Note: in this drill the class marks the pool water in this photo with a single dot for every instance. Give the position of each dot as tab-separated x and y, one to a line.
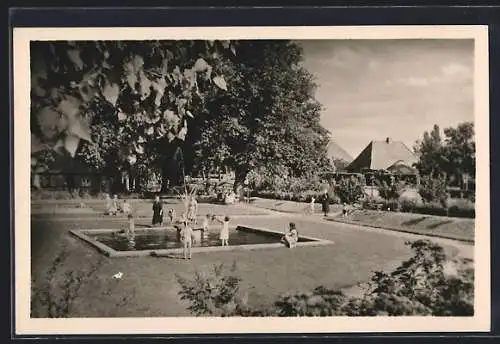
167	239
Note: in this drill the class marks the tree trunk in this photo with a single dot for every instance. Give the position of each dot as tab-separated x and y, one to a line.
239	179
165	179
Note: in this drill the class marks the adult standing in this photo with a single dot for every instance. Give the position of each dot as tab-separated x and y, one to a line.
325	202
157	211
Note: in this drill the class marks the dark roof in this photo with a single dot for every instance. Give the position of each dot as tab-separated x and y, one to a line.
381	155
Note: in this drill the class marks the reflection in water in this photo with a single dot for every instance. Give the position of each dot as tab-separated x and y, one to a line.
131	241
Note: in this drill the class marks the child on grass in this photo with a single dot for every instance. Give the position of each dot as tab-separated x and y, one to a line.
126	208
312	205
292	237
224	231
110	206
171	215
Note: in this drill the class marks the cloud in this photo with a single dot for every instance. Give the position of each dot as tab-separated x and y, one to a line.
450	73
373	64
416	81
457	71
374	89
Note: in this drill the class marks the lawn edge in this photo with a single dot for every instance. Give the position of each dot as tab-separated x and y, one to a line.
403	230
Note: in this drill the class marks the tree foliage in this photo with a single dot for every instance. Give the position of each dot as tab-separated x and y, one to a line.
430	153
118	103
113	104
350	190
391	190
269	119
433	189
452	157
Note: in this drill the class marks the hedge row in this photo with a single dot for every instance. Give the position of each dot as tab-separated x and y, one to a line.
290	196
461	209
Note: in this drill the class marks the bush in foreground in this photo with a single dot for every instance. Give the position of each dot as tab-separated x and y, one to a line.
55	294
426	284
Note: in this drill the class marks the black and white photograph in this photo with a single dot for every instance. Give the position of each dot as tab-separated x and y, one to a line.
227	173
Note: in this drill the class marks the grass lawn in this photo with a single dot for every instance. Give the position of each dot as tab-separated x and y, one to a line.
141	208
266	273
446	227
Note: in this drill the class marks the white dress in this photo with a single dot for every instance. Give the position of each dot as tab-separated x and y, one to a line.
206	228
187	235
224	232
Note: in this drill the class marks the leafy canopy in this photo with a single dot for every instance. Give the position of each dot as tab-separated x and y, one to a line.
116	102
268	119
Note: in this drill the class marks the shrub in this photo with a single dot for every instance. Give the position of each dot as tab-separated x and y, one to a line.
39	195
320	302
392	205
215	294
51	195
431	209
390	191
457	211
304	196
407	205
55	295
371	203
350	190
461	208
433	190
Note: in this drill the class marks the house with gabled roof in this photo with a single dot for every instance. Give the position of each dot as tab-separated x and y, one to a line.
388	155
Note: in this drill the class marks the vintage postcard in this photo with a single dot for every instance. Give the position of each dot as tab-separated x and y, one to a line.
202	180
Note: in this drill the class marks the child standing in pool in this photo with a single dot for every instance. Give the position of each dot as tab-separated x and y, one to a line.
131	225
206	226
187	240
192	209
224	231
116	204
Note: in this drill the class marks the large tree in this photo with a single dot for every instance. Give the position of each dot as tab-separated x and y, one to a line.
112	104
460	150
453	157
430	153
268	119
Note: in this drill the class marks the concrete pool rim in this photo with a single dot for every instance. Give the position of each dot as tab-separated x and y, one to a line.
84	234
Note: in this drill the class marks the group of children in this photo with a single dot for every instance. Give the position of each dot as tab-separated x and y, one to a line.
185	221
186	232
113	206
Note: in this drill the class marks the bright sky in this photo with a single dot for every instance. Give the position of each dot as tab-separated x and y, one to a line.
373	89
